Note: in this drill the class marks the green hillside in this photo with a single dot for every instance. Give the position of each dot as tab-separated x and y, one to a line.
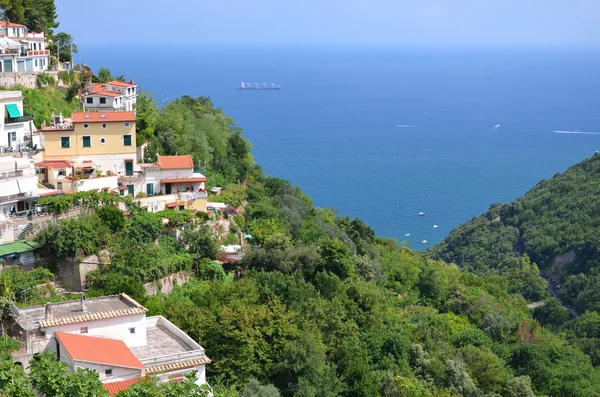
556	224
40	102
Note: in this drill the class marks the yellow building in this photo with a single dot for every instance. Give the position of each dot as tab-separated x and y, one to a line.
102	141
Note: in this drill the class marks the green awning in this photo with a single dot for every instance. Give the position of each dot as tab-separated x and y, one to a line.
18	247
13	110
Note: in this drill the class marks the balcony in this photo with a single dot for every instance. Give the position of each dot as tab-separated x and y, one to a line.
35	53
131	175
188	196
15	197
23	119
12	174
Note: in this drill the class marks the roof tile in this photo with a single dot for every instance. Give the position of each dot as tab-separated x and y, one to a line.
175	162
98	350
96	117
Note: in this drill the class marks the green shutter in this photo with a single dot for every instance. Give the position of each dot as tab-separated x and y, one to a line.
65	142
127	140
130	189
13	110
150	189
87	141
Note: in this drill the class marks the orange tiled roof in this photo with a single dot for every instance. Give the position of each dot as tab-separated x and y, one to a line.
174	162
100	89
11	25
92	349
96	117
53	164
175	366
113	388
120	83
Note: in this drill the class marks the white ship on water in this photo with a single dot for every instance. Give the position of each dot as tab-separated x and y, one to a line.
259	86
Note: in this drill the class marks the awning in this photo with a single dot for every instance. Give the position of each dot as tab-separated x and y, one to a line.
18	247
123	188
183	180
54	164
13	110
171	205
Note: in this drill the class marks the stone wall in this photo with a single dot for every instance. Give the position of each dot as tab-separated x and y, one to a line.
25	79
165	285
72	273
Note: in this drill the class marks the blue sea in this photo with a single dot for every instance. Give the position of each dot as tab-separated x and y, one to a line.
385	133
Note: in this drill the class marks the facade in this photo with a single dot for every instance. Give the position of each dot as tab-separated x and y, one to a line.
102	141
16	129
22	51
112	96
18	185
110	335
169	183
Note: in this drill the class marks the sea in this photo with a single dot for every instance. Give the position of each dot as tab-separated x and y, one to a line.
383	133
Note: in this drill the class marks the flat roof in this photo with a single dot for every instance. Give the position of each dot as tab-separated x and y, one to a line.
160	342
70	312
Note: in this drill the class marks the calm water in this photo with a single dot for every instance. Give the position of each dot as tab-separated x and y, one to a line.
384	133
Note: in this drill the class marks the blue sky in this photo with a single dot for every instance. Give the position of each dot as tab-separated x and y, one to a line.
339	22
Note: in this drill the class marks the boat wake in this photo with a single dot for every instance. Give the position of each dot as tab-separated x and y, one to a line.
407	126
577	132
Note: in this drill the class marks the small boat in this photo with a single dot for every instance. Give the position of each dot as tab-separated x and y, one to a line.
497	126
435	226
407	234
421	213
424	242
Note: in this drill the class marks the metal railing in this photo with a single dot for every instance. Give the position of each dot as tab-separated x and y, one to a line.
12	197
21	119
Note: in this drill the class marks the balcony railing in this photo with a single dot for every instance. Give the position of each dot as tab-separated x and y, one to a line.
11	174
37	53
131	174
13	197
187	196
23	119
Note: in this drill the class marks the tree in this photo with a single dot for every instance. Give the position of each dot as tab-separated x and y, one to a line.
146	114
104	75
201	243
63	42
113	217
254	389
519	387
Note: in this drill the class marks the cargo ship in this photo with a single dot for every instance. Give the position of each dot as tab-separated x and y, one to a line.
259	86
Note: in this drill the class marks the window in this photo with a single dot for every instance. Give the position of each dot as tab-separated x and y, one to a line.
150	189
83	330
130	189
102	100
36	63
59	185
86	126
89	100
126	140
103	140
181	207
87	141
65	142
43	334
62	173
126	125
122	192
104	125
108	372
132	330
12	136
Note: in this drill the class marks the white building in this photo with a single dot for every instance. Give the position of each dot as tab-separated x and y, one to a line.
110	335
16	128
22	51
111	96
18	185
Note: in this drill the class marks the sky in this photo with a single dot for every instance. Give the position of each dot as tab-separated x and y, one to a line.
333	22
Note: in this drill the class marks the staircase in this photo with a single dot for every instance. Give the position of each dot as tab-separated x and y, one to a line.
25	231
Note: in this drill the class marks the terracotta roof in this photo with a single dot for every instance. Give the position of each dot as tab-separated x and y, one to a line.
53	164
184	180
11	25
174	162
96	117
120	83
175	366
92	349
113	388
171	205
91	316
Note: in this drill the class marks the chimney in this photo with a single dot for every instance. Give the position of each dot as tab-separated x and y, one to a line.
131	81
82	302
49	315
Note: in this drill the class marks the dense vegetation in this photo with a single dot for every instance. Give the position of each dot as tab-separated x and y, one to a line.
558	216
42	102
326	308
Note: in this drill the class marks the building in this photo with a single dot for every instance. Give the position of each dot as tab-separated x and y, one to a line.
169	183
110	335
18	185
22	51
112	96
100	141
16	128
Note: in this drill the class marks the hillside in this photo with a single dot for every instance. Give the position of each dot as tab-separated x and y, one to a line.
40	102
556	224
